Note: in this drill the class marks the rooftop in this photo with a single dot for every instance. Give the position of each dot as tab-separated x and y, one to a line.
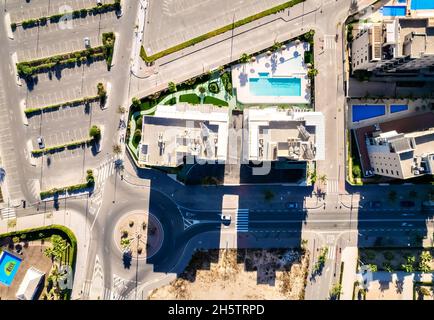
184	130
275	133
411	126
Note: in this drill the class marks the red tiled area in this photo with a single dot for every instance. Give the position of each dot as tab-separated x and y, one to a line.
405	125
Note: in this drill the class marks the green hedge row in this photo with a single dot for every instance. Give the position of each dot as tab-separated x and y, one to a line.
82	13
32	111
90	181
29	68
45	233
108	40
61	147
217	32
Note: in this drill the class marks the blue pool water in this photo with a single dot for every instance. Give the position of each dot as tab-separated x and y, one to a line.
422	4
394	11
367	111
9	265
398	107
275	86
402	1
263	74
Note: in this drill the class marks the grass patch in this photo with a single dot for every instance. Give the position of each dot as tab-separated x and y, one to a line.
215	101
170	102
191	98
217	32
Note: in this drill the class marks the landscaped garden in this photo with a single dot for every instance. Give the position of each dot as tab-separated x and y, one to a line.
52	250
408	260
213	88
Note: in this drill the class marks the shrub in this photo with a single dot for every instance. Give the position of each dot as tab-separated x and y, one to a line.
139	122
202	89
172	87
95	133
13	26
357	173
131	223
213	87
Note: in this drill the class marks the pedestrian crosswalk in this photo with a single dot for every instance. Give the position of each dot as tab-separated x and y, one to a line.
330	41
8	213
332	187
242	220
331	252
105	170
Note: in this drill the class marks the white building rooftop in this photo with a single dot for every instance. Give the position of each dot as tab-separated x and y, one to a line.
183	130
293	135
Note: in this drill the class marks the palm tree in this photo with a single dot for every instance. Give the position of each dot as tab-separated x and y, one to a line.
323	178
121	109
245	58
117	149
172	87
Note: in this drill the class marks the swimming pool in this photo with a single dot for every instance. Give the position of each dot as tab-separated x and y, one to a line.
367	111
394	11
398	107
422	4
276	87
9	265
402	1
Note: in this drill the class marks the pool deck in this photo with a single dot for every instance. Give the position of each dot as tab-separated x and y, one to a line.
283	63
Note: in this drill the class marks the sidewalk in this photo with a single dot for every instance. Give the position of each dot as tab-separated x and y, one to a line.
349	258
70	219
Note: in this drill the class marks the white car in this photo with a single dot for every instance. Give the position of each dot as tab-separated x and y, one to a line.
41	143
86	42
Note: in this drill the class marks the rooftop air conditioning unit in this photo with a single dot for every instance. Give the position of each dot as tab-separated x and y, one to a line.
416	172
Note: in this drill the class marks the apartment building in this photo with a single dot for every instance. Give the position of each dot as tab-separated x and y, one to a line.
401	155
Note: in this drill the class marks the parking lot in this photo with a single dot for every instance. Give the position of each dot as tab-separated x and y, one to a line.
51	126
171	22
67	124
73	84
30	9
57	38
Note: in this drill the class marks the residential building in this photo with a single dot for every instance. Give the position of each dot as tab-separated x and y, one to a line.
402	156
276	134
183	131
396	47
366	47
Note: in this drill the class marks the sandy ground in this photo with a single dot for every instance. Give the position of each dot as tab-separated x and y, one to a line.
244	274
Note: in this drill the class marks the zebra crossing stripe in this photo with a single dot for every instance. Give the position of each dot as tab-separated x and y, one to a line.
243	220
8	213
331	253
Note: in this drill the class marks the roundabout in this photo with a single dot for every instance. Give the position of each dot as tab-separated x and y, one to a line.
139	233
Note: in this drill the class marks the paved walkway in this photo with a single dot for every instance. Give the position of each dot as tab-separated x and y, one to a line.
349	258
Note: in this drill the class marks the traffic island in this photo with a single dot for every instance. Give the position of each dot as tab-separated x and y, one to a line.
138	235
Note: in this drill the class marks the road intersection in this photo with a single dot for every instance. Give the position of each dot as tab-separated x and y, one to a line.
191	215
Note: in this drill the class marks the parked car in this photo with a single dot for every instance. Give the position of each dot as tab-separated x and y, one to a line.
99	2
41	143
292	205
87	42
406	203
